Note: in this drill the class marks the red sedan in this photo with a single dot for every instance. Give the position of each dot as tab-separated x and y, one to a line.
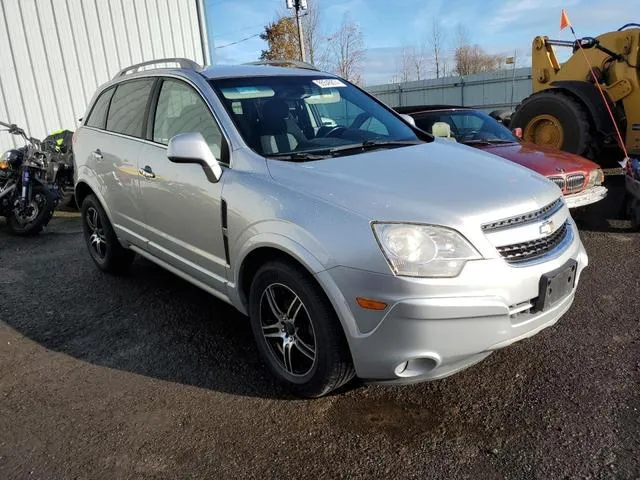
579	179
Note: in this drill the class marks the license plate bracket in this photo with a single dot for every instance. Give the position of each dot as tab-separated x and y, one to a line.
556	285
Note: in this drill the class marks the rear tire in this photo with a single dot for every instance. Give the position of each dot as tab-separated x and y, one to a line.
555	119
302	323
105	249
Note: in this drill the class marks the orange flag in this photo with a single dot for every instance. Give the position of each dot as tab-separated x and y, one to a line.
564	20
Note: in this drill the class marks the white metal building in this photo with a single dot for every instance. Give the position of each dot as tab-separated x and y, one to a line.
54	53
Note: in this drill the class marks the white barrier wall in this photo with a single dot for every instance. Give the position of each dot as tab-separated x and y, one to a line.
487	91
54	53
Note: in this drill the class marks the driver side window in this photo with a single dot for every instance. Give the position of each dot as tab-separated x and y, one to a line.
181	109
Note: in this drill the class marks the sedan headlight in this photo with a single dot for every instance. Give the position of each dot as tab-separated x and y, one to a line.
596	177
423	250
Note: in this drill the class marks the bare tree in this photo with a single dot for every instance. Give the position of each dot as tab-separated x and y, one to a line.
436	42
419	61
405	65
311	29
347	48
470	59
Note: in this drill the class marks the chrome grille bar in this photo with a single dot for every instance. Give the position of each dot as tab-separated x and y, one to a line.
544	212
526	251
575	183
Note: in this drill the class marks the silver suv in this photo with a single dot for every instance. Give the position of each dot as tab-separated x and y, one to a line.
356	243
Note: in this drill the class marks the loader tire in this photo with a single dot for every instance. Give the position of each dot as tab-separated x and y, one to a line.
555	119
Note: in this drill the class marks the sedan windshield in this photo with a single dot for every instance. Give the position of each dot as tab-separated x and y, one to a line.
466	126
306	118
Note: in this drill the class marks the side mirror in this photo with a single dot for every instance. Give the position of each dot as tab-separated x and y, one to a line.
192	148
409	119
517	132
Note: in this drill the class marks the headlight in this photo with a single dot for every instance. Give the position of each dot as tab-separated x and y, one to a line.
423	250
596	177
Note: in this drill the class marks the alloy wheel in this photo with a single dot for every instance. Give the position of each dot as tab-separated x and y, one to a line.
287	329
97	238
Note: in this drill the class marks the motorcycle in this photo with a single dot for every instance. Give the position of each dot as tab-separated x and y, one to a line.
28	187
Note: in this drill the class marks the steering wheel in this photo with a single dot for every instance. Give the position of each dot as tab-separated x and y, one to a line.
332	131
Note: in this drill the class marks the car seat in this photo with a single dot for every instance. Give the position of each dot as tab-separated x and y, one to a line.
278	132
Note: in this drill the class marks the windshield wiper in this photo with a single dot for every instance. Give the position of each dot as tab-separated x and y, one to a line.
372	144
303	156
487	142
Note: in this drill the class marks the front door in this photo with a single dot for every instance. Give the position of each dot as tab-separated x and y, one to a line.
182	208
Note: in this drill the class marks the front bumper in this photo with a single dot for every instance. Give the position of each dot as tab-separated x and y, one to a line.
433	328
586	197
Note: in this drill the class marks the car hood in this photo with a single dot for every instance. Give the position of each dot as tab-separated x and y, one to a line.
545	161
438	182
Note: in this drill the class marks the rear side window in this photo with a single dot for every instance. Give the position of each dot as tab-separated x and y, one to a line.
128	106
98	114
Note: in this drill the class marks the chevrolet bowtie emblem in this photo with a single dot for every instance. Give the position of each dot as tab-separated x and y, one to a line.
546	228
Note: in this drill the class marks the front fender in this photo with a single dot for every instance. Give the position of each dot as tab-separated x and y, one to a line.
309	260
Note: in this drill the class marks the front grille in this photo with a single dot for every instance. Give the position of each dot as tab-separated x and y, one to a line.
544	212
575	182
525	251
558	181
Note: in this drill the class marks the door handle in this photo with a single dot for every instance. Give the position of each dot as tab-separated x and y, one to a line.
97	154
146	172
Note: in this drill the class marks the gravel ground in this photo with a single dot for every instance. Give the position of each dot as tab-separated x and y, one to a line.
148	377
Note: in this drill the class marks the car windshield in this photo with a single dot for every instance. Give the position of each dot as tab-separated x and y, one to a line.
309	117
466	126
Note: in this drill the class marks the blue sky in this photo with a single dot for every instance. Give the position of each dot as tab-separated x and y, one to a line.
499	26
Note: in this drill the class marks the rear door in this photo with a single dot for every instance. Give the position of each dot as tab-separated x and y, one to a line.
182	208
112	143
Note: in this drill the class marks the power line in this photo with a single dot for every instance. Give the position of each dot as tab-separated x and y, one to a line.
238	41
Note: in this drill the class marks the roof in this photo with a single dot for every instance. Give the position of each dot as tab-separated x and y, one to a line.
224	71
429	108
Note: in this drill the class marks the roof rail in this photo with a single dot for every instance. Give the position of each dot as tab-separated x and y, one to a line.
285	63
183	62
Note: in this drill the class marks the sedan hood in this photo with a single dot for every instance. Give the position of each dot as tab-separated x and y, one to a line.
439	182
543	160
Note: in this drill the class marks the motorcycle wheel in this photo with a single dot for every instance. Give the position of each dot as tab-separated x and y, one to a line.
42	203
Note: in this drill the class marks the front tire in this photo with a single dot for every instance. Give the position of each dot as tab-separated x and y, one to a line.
102	242
40	213
297	332
555	119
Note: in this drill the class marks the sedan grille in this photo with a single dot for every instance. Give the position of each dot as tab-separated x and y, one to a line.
525	251
544	212
575	183
559	181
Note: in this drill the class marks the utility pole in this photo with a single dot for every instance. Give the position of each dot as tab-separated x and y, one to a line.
299	5
512	60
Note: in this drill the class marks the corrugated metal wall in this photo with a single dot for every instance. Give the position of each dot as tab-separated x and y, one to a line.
488	91
54	53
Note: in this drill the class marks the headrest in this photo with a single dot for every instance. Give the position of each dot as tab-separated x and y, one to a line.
274	110
442	130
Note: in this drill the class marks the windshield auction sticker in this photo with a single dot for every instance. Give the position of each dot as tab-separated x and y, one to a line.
328	83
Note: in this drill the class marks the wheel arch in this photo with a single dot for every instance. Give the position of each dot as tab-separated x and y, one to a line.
83	189
263	252
290	251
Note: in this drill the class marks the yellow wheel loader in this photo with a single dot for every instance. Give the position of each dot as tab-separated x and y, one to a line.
566	110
